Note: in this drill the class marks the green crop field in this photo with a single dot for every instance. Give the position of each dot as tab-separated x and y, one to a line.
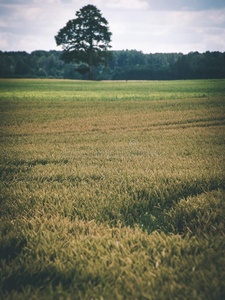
112	190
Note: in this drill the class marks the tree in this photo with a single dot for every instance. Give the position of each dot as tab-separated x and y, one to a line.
85	40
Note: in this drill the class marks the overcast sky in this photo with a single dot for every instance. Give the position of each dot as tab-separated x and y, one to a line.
147	25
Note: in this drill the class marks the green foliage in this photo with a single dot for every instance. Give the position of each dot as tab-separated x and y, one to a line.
112	190
122	65
85	40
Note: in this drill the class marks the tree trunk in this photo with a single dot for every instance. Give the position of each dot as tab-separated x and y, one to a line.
91	73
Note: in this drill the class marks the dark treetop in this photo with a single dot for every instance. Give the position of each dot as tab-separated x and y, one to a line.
85	40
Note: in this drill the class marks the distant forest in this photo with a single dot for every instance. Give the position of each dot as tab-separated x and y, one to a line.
124	65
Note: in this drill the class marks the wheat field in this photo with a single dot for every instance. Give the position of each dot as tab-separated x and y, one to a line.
112	190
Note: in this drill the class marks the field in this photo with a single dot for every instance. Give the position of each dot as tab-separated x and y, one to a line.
112	190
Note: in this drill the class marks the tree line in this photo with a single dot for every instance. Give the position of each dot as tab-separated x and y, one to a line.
122	65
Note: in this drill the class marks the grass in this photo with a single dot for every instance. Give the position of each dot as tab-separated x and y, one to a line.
112	190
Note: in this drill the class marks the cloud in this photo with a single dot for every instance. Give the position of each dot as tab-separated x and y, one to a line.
127	4
170	31
147	25
185	5
4	40
3	24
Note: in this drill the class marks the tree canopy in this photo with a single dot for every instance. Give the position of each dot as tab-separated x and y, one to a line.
124	65
85	40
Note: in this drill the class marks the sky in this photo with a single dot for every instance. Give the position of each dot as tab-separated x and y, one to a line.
150	26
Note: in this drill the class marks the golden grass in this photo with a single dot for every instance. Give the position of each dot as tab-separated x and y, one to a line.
112	190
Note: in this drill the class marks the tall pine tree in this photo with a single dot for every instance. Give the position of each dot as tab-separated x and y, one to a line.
85	40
